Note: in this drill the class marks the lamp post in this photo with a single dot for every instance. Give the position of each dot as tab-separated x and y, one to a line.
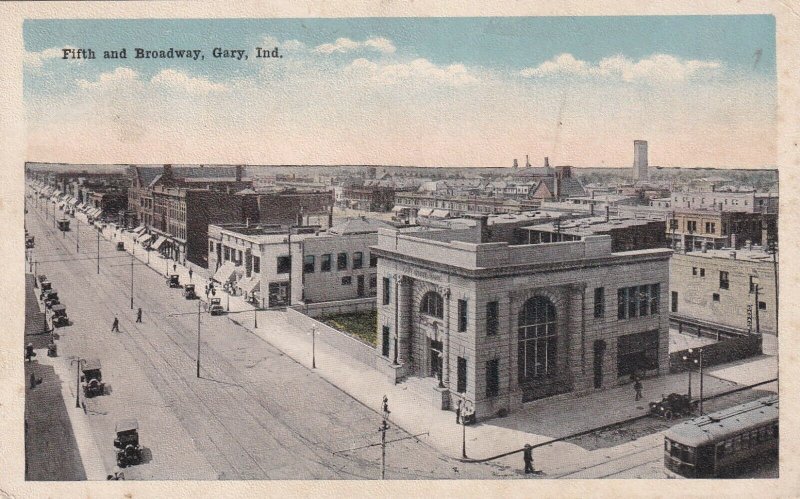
255	318
198	338
463	427
79	361
313	347
77	236
686	359
134	249
698	360
98	252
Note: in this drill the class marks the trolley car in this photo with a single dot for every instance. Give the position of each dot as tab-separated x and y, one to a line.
718	444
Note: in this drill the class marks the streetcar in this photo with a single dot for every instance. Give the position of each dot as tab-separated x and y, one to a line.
720	443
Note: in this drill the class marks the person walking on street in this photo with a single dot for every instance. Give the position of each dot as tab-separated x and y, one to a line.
139	315
115	325
174	267
190	274
527	456
637	386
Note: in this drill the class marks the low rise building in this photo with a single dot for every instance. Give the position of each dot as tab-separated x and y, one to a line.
499	324
626	234
734	289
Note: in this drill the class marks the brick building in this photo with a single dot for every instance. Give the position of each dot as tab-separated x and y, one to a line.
369	197
692	228
718	287
501	324
626	234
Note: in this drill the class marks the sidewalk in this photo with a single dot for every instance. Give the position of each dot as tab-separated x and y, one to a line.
411	404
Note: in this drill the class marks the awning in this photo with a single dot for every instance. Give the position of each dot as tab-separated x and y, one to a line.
425	212
249	285
440	213
143	238
138	229
158	243
225	272
73	201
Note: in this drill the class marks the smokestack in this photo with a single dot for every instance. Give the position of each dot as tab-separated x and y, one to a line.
527	162
546	162
608	214
238	173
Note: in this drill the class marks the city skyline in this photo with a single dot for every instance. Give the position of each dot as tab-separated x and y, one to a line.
424	92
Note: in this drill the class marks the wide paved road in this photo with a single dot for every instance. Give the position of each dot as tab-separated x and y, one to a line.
253	414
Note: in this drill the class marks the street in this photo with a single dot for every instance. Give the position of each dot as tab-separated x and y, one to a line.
254	413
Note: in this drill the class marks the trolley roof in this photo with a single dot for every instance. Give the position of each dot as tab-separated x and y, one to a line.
127	425
722	424
91	365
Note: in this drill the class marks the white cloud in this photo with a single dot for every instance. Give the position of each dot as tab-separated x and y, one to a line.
344	45
417	70
119	77
289	45
177	80
37	59
655	68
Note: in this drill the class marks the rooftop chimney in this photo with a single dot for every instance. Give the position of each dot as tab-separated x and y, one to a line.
527	162
546	162
516	164
239	173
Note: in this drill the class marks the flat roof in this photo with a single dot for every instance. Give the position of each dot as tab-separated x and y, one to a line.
593	225
757	254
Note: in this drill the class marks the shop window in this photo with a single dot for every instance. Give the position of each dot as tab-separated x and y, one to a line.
537	338
347	280
257	264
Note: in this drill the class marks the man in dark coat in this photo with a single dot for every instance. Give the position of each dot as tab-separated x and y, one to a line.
115	325
527	456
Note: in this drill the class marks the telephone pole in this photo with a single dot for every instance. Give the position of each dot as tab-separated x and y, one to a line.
98	252
384	426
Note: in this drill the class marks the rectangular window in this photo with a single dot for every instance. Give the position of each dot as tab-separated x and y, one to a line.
644	300
387	290
308	264
702	272
633	302
284	264
347	280
341	261
358	260
257	264
691	226
373	260
373	281
637	352
622	303
715	296
655	298
325	265
599	302
493	378
694	270
461	383
210	246
385	342
723	280
753	282
462	316
762	305
492	318
674	307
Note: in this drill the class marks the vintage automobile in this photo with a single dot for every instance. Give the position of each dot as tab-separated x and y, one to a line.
215	307
92	379
45	287
29	242
173	281
120	246
127	443
189	292
42	278
673	405
63	224
60	315
51	299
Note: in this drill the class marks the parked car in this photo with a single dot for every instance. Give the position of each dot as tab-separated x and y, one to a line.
127	443
51	298
673	405
215	307
45	288
92	379
60	315
173	281
189	292
120	246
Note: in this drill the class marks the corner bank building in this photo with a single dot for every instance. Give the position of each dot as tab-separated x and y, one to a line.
473	317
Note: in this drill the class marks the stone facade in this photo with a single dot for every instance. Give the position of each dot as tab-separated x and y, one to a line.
468	276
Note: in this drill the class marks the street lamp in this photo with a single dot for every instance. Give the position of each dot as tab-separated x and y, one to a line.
198	338
79	361
699	361
313	347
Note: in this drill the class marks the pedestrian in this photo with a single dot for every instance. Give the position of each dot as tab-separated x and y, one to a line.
115	325
33	381
174	267
139	315
458	412
637	386
190	273
527	456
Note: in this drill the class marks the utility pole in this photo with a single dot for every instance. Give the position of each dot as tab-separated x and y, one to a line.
79	361
384	426
463	428
255	318
98	252
313	347
77	236
198	338
773	248
758	322
700	350
131	280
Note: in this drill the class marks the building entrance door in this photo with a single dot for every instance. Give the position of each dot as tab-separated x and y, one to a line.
599	350
278	294
360	286
436	358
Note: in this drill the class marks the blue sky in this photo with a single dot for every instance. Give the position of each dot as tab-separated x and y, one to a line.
704	77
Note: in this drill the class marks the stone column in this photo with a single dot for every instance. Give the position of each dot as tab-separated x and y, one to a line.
446	363
404	318
576	336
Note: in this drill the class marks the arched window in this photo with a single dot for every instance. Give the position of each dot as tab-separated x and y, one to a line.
432	304
537	338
